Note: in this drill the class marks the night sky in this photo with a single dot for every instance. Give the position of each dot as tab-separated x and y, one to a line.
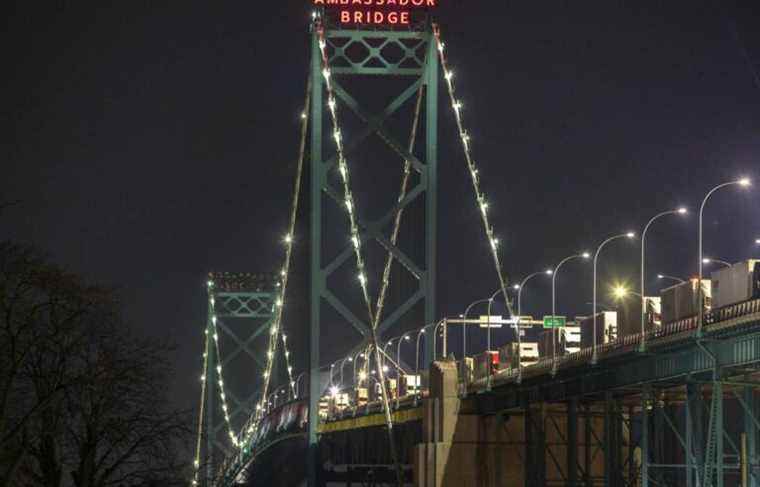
150	142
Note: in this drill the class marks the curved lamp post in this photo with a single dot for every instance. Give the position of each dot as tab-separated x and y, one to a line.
584	255
679	211
710	260
629	235
403	338
520	288
488	333
744	182
342	364
464	325
671	278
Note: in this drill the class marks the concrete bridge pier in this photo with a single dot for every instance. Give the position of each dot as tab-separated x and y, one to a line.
461	447
568	444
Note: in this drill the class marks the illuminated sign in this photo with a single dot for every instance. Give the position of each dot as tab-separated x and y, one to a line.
376	12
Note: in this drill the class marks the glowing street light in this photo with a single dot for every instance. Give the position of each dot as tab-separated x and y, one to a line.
709	260
743	182
520	288
671	278
629	235
464	325
583	255
619	292
679	211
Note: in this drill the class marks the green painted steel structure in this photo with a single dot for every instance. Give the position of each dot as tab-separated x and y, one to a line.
423	70
690	440
252	312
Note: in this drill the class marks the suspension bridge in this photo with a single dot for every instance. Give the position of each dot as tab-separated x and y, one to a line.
670	403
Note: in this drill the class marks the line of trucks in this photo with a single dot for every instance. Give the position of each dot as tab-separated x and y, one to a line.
727	286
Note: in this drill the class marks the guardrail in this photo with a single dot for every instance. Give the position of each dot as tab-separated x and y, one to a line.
291	419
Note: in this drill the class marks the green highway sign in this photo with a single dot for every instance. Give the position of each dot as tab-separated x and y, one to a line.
555	321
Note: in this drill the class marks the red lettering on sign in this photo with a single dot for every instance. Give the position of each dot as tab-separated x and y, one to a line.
377	12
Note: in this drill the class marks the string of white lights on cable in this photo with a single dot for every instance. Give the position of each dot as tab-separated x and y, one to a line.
279	305
219	373
201	410
354	227
276	334
482	201
344	172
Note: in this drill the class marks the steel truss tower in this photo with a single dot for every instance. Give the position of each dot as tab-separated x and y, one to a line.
419	63
240	311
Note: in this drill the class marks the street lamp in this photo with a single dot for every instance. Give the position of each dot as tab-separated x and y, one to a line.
584	255
629	235
385	355
464	325
342	364
757	241
679	211
744	182
356	357
405	338
621	292
417	348
520	288
671	278
710	260
488	340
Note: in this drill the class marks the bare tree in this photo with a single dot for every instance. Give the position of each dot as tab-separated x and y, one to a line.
122	428
83	401
42	312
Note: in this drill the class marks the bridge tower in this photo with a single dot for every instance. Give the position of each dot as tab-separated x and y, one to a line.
408	59
240	312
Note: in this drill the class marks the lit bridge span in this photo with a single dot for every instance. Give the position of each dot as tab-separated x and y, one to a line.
679	388
670	403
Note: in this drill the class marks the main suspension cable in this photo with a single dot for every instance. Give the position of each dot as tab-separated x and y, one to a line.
201	411
219	372
456	106
289	240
